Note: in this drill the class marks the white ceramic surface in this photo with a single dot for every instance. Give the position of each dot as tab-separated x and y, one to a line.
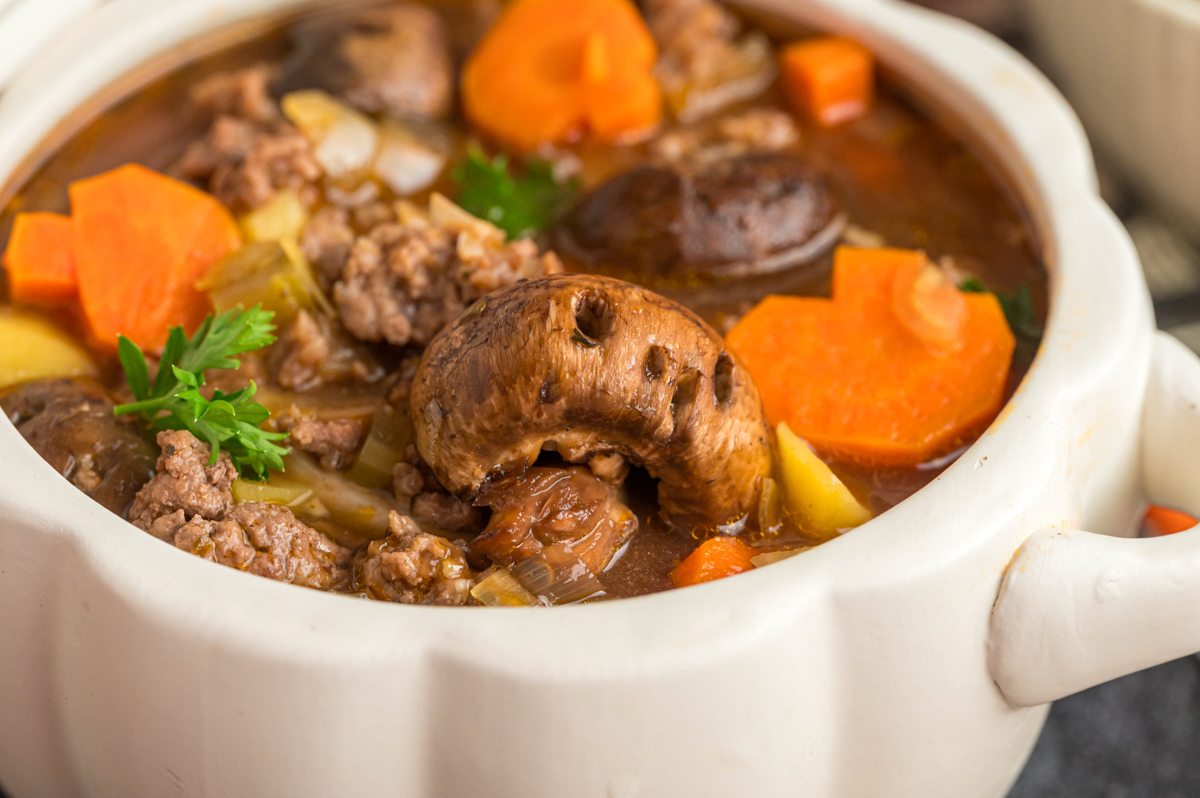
1132	70
860	669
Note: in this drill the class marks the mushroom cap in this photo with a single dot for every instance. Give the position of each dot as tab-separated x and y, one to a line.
590	366
751	214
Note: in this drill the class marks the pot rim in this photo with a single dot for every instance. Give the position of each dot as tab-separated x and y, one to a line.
1098	301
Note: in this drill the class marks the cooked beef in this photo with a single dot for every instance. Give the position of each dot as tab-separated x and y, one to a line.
703	66
326	243
602	367
444	512
406	280
544	506
72	426
393	60
185	482
745	215
264	540
756	130
413	567
333	440
190	505
314	351
250	152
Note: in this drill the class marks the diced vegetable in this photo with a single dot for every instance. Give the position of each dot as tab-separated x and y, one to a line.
279	490
390	435
556	70
740	71
1160	521
520	206
34	349
274	274
772	557
813	494
348	507
558	575
141	241
928	305
282	218
173	400
501	589
716	558
410	158
344	141
39	261
847	376
831	79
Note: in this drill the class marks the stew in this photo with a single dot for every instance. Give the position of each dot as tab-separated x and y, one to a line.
513	304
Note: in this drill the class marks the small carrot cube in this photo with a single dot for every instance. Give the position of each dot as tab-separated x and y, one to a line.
830	79
39	261
716	558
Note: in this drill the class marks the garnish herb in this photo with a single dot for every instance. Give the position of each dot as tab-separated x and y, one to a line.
173	400
1018	307
520	206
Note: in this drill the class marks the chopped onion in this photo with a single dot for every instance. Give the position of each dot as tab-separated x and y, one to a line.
283	217
770	507
739	71
274	274
767	558
558	575
344	140
501	589
347	506
390	435
410	159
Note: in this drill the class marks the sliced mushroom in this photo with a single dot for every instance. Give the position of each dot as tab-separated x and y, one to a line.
393	60
751	214
590	366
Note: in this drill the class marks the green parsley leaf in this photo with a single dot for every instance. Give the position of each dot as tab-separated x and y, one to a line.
520	206
227	421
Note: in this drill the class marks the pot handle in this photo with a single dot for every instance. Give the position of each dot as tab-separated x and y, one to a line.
1077	609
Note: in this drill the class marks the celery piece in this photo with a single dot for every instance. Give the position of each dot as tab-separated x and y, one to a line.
283	217
273	274
501	589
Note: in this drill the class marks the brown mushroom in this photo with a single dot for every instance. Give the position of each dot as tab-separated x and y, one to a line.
393	60
751	214
590	367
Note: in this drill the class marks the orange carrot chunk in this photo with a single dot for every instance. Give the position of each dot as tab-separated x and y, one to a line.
716	558
830	79
1160	521
40	267
850	375
142	240
557	70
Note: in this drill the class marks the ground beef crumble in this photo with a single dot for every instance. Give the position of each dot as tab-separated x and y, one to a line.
405	280
190	505
413	567
333	440
315	350
250	151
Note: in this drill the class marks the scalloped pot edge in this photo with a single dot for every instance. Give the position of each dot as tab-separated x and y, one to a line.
128	668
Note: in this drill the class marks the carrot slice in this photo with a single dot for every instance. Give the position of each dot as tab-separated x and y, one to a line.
830	79
1160	521
847	375
39	263
716	558
928	305
555	70
142	240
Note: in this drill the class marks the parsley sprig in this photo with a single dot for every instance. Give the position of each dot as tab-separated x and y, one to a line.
1018	307
519	205
173	401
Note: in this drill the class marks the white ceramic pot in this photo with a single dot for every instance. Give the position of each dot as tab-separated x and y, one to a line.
1132	69
868	667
